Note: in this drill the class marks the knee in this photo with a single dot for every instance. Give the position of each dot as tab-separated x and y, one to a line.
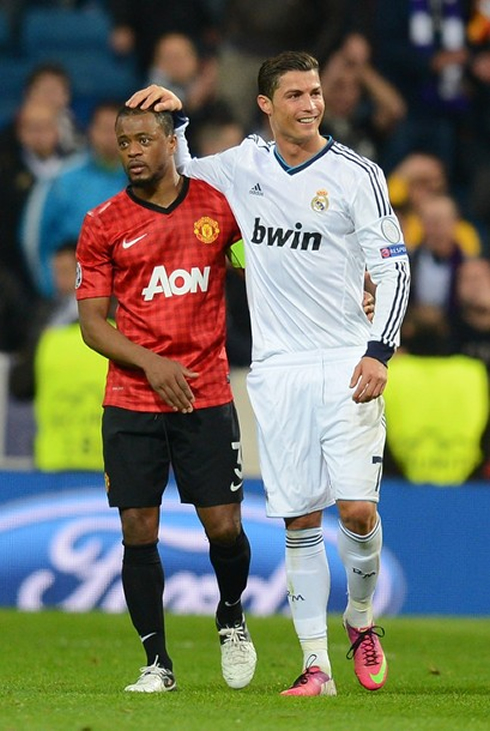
222	523
224	533
304	522
359	517
139	526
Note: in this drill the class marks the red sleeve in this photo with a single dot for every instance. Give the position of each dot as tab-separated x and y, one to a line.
94	261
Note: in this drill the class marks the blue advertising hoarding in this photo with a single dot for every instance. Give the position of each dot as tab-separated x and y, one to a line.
60	546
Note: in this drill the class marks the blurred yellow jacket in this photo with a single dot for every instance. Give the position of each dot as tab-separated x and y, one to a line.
436	413
70	380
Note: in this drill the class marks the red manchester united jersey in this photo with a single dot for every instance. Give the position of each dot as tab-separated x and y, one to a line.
166	269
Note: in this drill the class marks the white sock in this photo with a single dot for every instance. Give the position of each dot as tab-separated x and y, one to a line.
308	583
361	558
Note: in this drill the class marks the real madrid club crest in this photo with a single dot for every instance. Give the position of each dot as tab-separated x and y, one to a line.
320	202
206	230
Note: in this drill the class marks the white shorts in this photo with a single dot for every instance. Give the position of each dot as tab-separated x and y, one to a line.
316	446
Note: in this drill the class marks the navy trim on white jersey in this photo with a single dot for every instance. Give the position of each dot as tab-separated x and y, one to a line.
398	307
382	201
292	170
380	351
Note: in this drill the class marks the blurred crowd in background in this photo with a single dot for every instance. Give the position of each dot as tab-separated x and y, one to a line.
406	83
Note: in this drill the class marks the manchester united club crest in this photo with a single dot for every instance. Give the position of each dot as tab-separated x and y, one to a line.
320	202
206	230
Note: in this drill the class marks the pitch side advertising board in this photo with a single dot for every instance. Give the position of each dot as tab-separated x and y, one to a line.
60	547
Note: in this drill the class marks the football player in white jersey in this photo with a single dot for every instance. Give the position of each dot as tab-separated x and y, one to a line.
314	217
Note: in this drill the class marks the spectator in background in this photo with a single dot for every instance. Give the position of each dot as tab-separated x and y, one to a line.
54	212
470	328
50	83
477	147
31	155
178	65
361	107
425	331
139	25
419	176
421	48
435	263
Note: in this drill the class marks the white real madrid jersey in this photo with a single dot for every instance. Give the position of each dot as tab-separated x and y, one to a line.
310	233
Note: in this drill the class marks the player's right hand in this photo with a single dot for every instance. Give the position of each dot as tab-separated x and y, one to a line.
368	305
369	380
168	378
157	97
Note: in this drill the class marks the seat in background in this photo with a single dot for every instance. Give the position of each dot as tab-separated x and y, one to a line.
62	29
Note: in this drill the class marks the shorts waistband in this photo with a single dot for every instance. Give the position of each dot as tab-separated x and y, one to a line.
311	357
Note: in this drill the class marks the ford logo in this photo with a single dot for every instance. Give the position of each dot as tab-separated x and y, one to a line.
64	550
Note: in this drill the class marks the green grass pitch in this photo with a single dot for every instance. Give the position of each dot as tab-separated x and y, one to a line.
65	672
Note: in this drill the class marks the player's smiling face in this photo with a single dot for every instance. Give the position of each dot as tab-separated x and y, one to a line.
145	149
296	108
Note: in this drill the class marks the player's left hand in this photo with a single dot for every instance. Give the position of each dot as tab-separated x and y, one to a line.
368	305
369	380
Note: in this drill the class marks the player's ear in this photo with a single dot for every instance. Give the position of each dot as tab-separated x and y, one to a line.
264	103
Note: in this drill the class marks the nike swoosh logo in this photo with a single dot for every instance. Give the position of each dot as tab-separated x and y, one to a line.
132	242
147	637
380	675
234	487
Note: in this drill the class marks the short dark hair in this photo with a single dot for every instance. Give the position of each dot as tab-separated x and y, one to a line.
49	68
164	119
273	68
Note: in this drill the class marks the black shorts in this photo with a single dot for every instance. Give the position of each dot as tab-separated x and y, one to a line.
203	448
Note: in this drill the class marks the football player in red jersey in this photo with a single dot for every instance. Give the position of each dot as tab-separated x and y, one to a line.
159	248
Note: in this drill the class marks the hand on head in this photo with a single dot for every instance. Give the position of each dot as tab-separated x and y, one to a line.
156	97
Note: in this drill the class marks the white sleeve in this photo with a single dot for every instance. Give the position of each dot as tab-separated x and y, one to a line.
392	291
217	170
386	256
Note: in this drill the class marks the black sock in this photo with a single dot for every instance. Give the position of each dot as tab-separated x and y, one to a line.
143	584
231	565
